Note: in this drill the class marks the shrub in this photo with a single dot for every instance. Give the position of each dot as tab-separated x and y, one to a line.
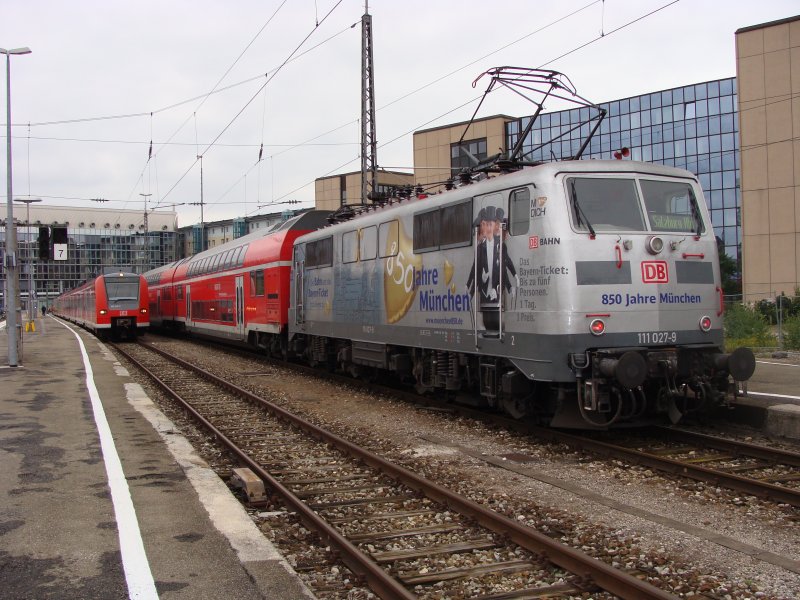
745	327
791	333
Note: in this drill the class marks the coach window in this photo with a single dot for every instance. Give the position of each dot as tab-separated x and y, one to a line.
240	256
350	247
227	259
367	243
521	211
215	263
257	283
388	238
456	225
426	231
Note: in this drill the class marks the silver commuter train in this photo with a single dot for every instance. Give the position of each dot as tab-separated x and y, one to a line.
580	293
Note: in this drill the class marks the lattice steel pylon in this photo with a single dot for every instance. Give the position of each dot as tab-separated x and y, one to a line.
369	143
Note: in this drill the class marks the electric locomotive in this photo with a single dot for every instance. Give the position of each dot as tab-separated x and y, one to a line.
112	305
581	293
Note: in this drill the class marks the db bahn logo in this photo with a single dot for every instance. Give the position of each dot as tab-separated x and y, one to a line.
655	271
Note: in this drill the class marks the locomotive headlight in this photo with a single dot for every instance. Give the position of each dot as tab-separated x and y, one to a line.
143	310
597	327
655	244
705	323
103	311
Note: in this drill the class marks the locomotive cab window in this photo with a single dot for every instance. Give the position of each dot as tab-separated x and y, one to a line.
672	206
605	204
388	238
520	208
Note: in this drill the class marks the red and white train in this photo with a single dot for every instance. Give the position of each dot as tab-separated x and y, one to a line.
238	291
113	305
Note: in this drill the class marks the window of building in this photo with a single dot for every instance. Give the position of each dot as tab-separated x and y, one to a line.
467	154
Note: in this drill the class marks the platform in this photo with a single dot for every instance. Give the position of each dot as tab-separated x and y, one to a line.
101	498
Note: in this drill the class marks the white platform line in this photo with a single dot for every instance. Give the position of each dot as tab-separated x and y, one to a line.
134	559
766	362
765	395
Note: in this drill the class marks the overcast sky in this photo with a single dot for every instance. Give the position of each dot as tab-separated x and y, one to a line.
106	77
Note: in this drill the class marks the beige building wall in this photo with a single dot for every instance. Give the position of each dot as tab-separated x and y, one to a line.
328	190
432	147
768	73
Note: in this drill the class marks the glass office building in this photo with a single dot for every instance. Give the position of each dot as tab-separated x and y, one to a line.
97	240
693	127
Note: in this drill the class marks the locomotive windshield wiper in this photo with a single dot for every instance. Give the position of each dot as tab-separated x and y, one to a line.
698	220
579	211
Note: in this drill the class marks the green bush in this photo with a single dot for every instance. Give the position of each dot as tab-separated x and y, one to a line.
791	333
745	327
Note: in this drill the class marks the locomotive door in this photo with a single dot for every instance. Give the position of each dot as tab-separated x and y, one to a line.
299	285
489	276
239	323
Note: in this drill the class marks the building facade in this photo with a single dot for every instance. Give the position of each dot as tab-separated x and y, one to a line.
768	71
335	191
97	240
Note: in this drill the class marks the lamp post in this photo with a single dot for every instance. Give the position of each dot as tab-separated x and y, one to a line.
31	264
11	231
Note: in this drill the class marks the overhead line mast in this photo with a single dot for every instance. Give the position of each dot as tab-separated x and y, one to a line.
369	142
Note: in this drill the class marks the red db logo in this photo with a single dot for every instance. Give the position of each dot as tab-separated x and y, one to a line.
655	271
533	242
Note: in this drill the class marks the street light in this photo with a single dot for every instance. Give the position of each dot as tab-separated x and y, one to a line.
31	265
11	231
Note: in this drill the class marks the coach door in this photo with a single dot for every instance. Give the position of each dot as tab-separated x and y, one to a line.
188	304
240	305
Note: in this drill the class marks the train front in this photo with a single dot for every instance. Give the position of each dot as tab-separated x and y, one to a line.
646	310
127	304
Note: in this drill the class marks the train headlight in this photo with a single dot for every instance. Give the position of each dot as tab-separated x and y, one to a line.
143	311
705	323
597	327
655	244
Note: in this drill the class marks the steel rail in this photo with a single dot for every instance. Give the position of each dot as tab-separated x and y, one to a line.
730	480
785	457
378	580
601	574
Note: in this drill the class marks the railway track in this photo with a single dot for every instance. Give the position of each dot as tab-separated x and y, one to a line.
757	470
404	536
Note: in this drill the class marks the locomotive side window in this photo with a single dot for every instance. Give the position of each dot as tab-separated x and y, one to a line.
671	206
388	238
520	208
257	283
319	253
603	204
350	246
367	243
456	225
426	231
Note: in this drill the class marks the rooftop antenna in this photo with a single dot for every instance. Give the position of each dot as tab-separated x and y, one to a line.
369	143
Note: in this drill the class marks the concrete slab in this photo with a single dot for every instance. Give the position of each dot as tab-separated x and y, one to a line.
783	420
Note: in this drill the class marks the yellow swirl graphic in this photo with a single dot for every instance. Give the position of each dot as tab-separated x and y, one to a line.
398	275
